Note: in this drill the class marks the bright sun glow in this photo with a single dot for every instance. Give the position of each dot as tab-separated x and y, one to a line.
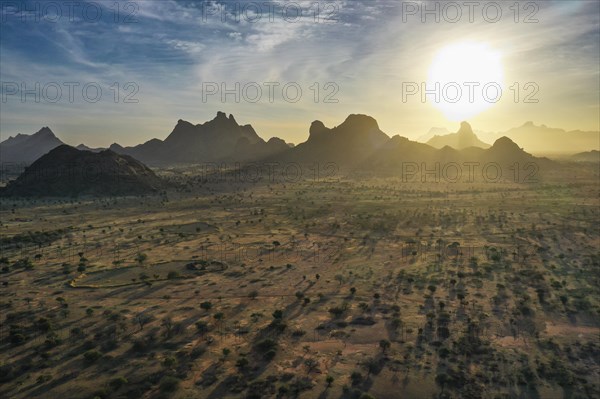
467	78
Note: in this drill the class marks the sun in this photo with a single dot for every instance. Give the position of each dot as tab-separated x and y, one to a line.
465	79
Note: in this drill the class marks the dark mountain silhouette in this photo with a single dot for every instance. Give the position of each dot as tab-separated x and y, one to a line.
357	142
68	172
462	139
349	143
589	156
220	139
401	154
397	151
506	150
223	139
24	148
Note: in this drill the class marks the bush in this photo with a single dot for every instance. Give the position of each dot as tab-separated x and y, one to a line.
266	345
201	326
270	354
356	378
329	380
43	324
52	340
92	356
198	351
23	263
17	338
169	362
241	363
337	311
169	384
298	332
278	314
117	383
44	378
139	345
7	373
102	393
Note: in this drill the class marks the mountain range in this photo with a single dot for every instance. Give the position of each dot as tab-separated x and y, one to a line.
221	139
355	141
536	139
356	145
544	140
402	154
25	148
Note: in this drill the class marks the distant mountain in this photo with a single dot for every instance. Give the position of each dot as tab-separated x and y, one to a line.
434	131
401	155
546	140
464	138
221	139
349	143
83	147
68	172
25	148
357	141
589	156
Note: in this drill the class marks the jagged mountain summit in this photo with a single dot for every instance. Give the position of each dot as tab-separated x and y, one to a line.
463	138
220	139
68	172
349	143
24	148
358	140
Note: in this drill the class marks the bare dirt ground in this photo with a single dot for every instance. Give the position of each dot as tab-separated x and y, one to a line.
316	289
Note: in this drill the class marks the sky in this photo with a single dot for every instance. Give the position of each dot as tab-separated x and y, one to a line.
126	71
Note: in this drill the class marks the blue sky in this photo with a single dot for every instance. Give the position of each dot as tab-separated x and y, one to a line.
170	50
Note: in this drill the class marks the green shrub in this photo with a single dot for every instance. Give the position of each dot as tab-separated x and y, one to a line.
169	384
270	355
356	378
266	345
117	383
91	356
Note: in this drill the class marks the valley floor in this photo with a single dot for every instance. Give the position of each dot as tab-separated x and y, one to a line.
315	289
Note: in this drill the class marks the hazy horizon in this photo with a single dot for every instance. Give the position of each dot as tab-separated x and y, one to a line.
416	136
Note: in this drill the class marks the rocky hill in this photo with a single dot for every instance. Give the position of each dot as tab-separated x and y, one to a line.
68	172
